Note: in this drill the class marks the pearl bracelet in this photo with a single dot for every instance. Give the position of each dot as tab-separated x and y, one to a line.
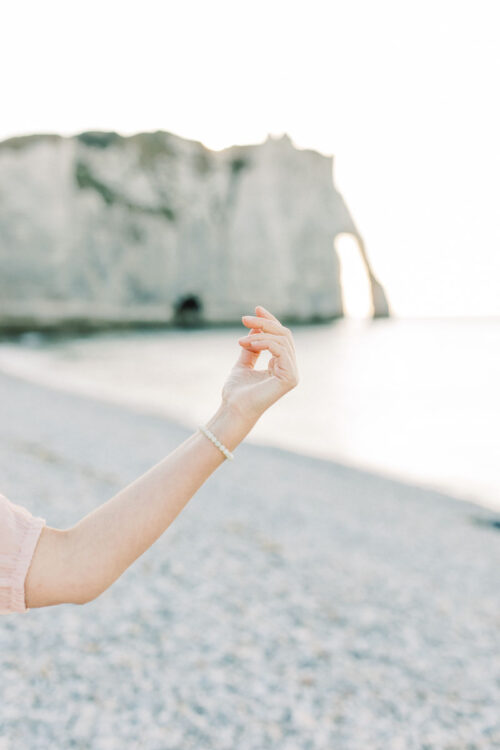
211	436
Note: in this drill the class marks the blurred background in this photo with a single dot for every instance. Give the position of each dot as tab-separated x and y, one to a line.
404	100
167	166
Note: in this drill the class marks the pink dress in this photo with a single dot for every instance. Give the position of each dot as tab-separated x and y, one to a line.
19	534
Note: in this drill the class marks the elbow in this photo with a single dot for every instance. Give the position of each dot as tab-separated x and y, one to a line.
84	597
60	572
83	591
81	584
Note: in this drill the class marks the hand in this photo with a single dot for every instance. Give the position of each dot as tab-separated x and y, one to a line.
253	391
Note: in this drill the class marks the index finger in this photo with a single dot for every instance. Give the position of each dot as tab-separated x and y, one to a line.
259	323
265	313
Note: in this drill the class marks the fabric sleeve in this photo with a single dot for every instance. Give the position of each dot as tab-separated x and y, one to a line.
19	534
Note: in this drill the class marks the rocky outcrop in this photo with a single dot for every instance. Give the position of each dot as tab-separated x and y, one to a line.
101	229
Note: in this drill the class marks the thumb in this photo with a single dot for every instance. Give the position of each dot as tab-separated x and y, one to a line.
248	358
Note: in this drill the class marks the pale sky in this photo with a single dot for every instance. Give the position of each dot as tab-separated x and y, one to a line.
404	94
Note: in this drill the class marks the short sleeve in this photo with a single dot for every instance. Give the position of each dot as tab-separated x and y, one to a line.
19	534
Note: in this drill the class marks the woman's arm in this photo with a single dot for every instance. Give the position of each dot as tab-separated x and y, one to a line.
76	565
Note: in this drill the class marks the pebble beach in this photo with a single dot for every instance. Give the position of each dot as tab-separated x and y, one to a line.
295	604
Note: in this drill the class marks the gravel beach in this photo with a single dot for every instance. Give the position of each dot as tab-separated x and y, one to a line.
295	604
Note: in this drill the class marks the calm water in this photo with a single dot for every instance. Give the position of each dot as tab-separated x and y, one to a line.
415	399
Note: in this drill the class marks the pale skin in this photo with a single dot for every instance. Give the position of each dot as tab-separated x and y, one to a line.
78	564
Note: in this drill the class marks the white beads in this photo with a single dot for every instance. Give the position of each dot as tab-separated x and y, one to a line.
215	441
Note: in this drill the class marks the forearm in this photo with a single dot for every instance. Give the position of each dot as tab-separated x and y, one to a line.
78	564
103	544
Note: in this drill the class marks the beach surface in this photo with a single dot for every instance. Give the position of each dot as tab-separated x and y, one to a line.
295	604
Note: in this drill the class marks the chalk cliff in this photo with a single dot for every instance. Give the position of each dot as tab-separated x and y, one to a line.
100	229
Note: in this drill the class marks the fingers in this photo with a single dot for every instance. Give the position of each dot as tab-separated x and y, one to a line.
265	313
263	324
247	357
280	339
283	365
284	338
274	345
269	325
261	315
266	332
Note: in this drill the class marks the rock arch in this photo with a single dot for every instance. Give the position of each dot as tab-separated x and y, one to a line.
377	297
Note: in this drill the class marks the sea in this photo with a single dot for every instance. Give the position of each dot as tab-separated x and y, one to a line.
414	399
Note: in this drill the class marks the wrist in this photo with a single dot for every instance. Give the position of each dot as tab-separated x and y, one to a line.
229	425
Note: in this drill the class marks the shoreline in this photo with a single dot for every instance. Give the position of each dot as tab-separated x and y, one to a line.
138	410
57	366
482	509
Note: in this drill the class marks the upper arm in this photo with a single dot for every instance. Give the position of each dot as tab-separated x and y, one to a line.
47	581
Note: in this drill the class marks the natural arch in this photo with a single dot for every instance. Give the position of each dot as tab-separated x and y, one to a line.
188	310
362	294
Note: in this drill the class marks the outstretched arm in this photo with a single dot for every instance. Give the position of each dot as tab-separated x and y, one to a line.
76	565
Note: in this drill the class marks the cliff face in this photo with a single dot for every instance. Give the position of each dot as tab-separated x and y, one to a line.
153	227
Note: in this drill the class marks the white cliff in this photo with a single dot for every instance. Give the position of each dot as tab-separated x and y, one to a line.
100	228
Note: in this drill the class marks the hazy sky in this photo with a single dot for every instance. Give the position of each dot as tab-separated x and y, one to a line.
404	94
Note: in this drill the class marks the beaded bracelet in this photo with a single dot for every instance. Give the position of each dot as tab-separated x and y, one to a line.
211	436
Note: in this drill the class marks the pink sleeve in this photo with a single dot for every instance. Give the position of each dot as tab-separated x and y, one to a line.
19	534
